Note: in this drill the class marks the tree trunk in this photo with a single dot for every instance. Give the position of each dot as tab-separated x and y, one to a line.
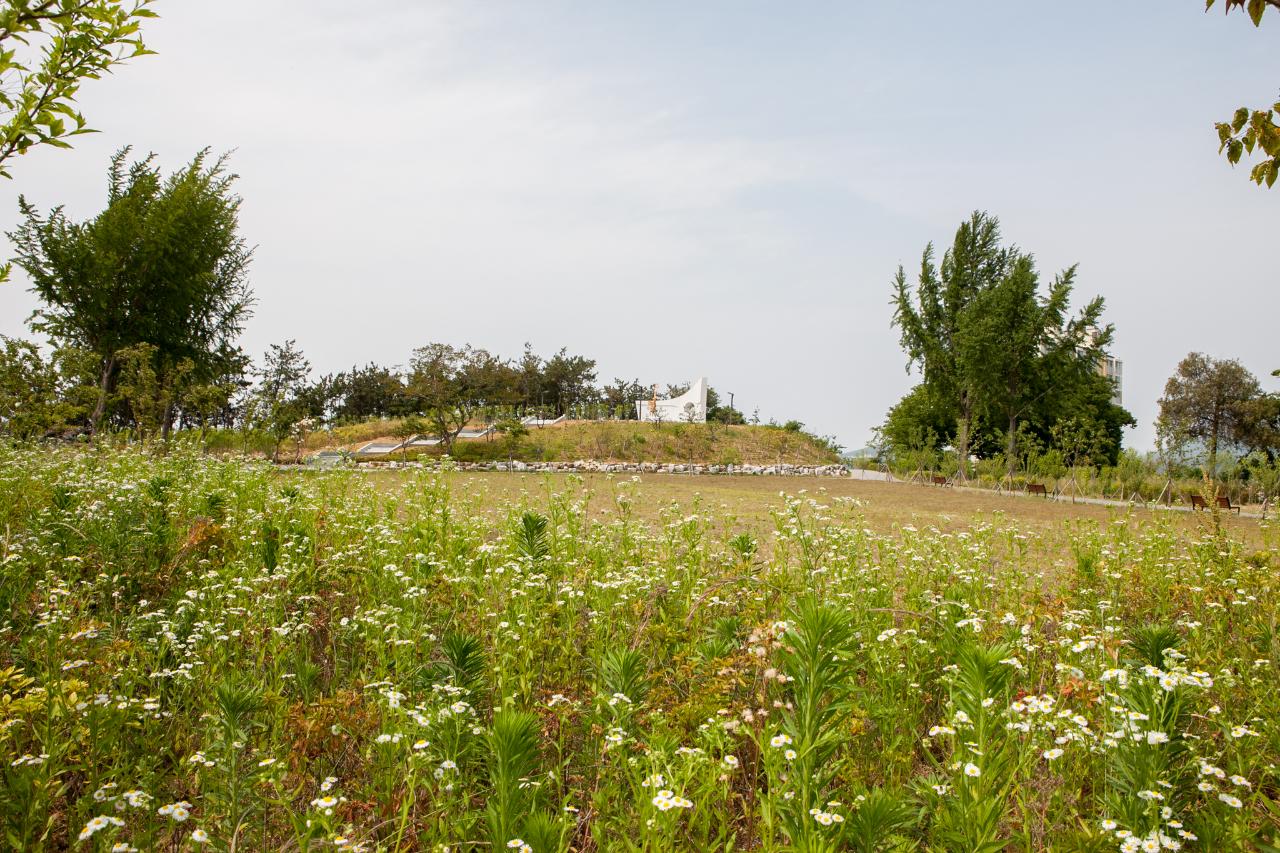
1011	447
100	408
167	426
963	426
1213	446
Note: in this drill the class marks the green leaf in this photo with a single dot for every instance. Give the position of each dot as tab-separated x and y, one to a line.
1239	119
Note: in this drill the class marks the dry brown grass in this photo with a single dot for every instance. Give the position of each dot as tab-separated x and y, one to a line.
610	441
746	501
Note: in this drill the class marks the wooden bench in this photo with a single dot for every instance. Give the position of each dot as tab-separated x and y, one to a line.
1198	502
1224	502
939	481
1037	489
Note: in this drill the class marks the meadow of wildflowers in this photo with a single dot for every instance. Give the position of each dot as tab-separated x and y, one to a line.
198	654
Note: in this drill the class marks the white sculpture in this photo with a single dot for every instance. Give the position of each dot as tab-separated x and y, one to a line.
689	407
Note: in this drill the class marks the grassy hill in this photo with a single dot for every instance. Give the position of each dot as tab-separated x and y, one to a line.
615	441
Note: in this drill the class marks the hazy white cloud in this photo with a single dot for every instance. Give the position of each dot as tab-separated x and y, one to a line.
724	190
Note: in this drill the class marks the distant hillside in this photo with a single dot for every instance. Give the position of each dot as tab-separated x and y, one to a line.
613	441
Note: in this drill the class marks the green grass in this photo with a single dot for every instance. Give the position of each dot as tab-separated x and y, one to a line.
614	441
331	660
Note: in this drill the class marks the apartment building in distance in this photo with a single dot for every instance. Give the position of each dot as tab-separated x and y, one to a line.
1113	369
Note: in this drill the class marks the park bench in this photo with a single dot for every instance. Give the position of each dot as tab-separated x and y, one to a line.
1037	489
1198	502
1224	502
940	481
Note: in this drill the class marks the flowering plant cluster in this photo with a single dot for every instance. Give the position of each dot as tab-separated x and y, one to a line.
208	653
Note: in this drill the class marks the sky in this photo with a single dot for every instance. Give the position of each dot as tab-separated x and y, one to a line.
721	189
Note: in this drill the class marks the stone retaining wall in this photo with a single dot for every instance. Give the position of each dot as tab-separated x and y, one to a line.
590	466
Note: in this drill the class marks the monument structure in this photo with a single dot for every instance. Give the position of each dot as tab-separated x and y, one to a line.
689	407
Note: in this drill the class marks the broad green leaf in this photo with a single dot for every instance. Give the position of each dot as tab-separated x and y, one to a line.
1239	120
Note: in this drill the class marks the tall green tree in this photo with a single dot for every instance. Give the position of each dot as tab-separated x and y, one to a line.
278	403
1084	401
31	399
367	392
529	382
163	264
568	380
451	384
1018	347
148	395
1209	401
1002	363
935	316
619	397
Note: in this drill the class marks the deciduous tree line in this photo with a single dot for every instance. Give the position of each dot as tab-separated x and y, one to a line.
144	304
446	387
